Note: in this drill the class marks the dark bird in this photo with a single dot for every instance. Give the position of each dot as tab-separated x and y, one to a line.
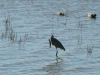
92	16
56	43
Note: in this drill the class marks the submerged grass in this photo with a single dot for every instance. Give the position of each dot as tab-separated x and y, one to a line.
89	49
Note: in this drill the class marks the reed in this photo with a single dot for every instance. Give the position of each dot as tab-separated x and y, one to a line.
25	37
89	49
10	34
79	36
80	30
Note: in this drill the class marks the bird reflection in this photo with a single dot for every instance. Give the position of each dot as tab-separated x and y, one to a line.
54	68
58	59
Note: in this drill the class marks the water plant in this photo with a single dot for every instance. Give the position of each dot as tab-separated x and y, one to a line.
10	34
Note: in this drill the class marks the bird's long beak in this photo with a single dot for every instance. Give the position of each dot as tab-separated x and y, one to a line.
50	43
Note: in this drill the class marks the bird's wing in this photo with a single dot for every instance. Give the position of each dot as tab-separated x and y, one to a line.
50	43
58	44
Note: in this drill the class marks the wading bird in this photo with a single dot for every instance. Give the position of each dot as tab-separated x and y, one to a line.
56	43
92	15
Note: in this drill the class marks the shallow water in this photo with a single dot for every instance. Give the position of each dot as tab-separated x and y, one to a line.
32	22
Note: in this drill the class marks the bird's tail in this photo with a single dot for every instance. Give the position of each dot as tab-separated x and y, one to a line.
63	48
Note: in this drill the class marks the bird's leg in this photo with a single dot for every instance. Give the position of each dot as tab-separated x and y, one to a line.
56	52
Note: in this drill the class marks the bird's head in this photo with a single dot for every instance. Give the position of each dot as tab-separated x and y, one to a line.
52	36
94	14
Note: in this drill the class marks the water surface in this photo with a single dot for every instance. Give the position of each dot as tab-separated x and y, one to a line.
27	25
